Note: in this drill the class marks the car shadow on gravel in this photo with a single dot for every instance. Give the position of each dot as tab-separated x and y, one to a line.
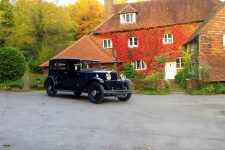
84	97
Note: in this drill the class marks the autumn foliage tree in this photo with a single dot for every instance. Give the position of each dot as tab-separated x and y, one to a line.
88	14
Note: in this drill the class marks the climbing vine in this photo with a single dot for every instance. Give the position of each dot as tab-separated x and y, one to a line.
150	44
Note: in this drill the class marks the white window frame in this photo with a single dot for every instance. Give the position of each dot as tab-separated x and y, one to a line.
181	61
224	40
127	18
143	65
108	45
132	43
167	39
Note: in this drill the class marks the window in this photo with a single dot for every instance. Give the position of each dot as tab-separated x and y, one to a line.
168	39
128	18
224	40
132	42
58	65
140	65
180	63
107	43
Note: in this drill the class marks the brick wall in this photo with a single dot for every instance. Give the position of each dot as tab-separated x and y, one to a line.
212	51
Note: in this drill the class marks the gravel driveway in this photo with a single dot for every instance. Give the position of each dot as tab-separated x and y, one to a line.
34	121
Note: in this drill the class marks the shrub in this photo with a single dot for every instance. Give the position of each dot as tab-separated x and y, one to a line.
12	64
154	76
7	85
181	77
128	71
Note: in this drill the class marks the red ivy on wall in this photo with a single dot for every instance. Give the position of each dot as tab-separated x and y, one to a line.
150	44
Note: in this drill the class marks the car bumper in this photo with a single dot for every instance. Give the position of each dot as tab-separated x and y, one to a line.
117	92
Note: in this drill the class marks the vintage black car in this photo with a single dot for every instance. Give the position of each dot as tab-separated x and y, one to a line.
78	76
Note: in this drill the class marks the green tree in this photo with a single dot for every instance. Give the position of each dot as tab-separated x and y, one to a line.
41	24
6	21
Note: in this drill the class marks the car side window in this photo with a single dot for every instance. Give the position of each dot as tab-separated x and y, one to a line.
61	66
58	65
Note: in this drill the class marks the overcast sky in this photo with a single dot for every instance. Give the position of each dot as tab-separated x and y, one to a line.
66	2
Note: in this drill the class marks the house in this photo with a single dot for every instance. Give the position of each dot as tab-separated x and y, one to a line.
208	44
138	32
86	48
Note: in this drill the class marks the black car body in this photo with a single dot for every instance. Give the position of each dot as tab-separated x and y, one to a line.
75	75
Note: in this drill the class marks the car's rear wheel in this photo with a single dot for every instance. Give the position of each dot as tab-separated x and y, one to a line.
96	93
127	96
50	88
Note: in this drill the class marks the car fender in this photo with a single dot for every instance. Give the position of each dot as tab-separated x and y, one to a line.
97	79
51	78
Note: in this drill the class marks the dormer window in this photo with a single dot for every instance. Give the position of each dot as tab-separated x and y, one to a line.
107	44
168	39
132	42
128	18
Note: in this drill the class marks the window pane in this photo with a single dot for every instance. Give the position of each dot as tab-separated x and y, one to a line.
138	64
105	43
131	41
131	17
169	35
127	18
135	41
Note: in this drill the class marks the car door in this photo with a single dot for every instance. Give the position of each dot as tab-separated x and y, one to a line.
62	74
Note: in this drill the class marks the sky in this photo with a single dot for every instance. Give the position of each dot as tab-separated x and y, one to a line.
66	2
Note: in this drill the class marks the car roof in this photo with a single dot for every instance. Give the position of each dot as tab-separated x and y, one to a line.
82	60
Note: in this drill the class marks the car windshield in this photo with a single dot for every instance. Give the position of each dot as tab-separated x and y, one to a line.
89	65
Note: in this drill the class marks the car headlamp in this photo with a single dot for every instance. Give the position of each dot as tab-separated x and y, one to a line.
108	76
122	77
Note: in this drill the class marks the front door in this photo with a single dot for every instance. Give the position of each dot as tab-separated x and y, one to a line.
170	70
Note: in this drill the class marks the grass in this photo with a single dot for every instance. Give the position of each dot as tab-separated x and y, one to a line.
209	89
33	81
10	85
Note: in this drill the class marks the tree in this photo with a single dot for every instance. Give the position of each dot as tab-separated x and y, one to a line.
120	1
88	14
6	21
41	24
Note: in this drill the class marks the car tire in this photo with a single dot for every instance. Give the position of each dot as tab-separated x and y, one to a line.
96	93
77	94
125	97
50	88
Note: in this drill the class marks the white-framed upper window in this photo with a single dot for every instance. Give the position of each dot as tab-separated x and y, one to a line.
224	40
140	65
107	43
168	38
132	42
127	18
179	63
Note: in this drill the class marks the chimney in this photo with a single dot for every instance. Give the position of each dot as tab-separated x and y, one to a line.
108	7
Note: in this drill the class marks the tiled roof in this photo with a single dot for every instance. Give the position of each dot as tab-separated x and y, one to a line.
210	17
159	13
127	9
85	48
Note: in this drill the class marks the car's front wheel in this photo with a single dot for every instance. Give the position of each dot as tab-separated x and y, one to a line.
50	88
96	93
127	96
